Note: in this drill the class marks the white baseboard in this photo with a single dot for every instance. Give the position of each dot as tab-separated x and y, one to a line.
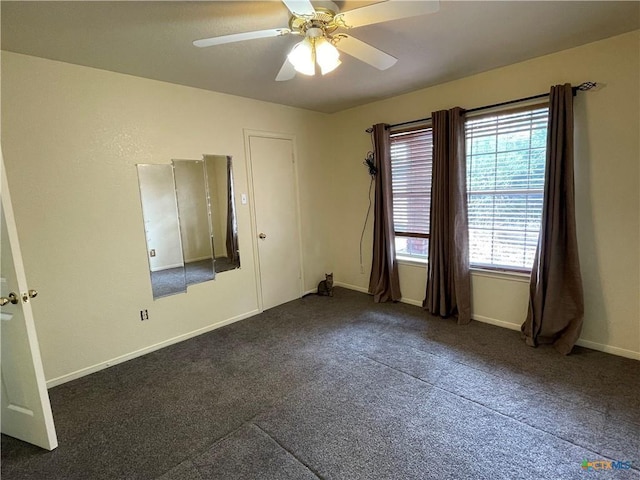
365	290
143	351
496	322
351	287
621	352
198	259
411	301
515	326
601	347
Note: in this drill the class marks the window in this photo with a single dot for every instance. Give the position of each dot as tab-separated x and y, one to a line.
505	186
411	159
505	182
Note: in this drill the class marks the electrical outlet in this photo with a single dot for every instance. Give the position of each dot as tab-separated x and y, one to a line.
144	315
152	252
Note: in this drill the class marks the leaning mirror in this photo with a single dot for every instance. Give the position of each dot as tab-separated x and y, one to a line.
190	221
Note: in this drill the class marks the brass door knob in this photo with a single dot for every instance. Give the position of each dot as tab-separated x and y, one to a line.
262	236
11	298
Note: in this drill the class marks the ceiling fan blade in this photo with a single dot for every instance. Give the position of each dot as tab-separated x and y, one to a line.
300	7
365	52
387	11
287	72
241	37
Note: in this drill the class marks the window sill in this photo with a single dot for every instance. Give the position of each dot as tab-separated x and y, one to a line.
475	271
412	262
501	274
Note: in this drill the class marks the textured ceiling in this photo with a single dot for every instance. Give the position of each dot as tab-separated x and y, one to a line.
154	40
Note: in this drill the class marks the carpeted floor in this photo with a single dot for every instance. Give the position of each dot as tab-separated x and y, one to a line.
341	388
175	280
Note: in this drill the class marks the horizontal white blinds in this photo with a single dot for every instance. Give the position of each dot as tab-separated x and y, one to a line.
505	182
411	160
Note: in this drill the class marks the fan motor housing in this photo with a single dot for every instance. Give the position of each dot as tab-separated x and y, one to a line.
323	18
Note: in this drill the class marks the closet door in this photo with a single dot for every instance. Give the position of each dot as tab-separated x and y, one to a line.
276	218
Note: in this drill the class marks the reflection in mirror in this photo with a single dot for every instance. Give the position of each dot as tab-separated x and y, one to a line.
222	212
190	221
161	226
195	227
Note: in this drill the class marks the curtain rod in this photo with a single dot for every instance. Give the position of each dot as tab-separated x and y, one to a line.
582	87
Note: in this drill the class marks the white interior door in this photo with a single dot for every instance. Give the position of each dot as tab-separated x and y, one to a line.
277	224
26	411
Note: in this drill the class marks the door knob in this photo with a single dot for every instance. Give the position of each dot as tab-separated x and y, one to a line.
28	295
262	236
12	298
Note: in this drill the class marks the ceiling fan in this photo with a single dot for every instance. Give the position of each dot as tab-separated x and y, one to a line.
322	29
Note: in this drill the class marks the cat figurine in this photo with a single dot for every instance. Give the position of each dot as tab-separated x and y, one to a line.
325	287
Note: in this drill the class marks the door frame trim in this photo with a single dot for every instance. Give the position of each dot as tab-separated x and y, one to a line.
248	133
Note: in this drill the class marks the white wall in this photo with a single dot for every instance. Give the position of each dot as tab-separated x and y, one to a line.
71	138
607	159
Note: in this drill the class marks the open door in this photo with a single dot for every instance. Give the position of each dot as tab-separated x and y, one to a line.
26	411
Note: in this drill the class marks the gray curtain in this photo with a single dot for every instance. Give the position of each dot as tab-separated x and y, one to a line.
556	304
232	229
384	283
448	278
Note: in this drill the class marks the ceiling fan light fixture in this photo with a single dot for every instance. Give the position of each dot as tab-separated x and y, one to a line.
321	28
327	55
302	57
312	49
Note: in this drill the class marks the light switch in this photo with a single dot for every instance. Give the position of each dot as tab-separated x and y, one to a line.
243	198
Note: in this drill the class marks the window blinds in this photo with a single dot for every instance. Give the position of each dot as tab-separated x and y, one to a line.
411	160
505	184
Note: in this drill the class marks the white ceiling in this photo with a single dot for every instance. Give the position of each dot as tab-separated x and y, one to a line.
154	40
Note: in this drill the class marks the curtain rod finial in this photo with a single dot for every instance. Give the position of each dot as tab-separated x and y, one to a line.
584	86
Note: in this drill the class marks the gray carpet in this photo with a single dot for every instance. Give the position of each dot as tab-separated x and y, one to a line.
168	282
224	264
341	388
175	280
